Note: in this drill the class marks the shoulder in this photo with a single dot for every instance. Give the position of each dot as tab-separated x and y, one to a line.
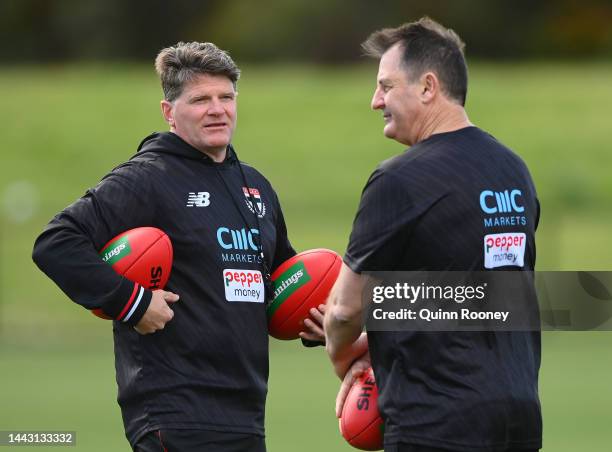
138	173
255	176
488	150
132	167
423	171
415	158
404	169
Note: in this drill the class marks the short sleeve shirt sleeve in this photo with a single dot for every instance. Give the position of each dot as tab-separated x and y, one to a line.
376	240
383	224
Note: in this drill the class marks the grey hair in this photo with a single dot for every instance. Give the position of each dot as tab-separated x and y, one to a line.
179	64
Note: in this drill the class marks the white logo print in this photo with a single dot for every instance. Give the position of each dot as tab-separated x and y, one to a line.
199	199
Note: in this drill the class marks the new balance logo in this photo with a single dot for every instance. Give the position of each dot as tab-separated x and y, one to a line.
199	199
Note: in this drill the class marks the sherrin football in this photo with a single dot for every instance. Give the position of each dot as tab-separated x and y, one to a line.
300	283
360	423
143	255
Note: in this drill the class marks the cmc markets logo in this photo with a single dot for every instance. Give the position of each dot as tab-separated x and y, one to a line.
503	208
237	239
507	201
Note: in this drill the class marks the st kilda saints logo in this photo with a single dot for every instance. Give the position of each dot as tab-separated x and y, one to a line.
254	202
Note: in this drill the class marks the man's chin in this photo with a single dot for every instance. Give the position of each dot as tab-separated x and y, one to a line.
222	144
218	142
389	132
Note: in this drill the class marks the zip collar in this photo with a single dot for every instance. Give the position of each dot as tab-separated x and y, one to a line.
171	143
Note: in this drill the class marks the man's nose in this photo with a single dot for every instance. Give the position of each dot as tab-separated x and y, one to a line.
215	107
377	100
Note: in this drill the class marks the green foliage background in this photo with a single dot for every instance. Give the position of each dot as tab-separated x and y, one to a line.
311	132
323	31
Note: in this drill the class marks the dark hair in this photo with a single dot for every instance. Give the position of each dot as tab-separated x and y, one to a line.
427	46
179	64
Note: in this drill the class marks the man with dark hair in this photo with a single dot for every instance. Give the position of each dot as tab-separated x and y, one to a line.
429	209
192	374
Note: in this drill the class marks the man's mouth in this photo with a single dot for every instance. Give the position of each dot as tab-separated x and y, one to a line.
215	125
387	117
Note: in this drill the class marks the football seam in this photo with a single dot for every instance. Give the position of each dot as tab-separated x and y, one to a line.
140	255
303	253
365	428
170	251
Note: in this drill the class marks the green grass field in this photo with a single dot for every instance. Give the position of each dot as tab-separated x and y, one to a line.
311	132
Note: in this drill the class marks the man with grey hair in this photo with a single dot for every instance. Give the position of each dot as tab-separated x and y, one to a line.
192	374
431	209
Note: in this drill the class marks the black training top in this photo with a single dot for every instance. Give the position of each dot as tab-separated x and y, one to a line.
433	208
208	368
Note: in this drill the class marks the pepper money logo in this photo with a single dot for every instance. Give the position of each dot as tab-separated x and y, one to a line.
243	285
287	283
507	249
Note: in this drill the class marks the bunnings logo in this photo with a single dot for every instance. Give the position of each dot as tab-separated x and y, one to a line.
288	282
116	251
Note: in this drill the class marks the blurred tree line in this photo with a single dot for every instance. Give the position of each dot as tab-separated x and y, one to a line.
324	31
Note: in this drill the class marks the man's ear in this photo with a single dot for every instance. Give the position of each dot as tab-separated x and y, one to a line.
430	87
167	109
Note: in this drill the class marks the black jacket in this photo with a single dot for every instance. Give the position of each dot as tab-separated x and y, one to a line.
208	368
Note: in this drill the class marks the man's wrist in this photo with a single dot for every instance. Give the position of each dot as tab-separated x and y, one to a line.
129	304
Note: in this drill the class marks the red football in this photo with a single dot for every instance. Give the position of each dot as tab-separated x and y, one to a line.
361	424
142	255
300	283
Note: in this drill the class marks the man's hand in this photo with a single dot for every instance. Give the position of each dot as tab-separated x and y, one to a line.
314	325
357	368
158	313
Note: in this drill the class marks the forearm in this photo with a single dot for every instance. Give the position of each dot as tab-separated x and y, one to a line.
342	328
67	250
67	256
343	357
344	320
